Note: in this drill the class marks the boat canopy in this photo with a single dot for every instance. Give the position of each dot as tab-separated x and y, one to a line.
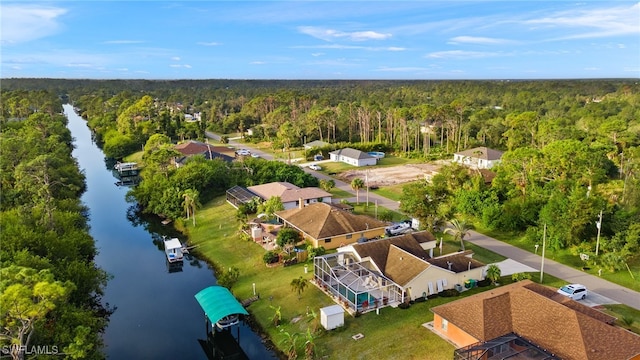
172	244
218	302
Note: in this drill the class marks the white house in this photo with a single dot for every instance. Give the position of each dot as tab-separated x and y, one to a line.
480	157
353	157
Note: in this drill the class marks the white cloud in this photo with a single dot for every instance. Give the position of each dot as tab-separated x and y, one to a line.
478	40
175	58
257	63
461	54
186	66
317	54
330	34
593	23
22	23
212	43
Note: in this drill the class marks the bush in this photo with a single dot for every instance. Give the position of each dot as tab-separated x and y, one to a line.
270	257
420	299
449	293
483	283
521	276
404	305
432	296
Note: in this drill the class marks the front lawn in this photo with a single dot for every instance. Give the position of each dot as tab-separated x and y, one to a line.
394	333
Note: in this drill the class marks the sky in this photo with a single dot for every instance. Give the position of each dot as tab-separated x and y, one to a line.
351	40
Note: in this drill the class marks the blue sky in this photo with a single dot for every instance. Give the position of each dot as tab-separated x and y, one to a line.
320	40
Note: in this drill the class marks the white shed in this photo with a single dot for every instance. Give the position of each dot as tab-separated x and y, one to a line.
332	316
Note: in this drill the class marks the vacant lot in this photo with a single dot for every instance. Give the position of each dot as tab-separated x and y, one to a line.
384	176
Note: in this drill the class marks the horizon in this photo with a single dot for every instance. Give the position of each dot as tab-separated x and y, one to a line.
320	40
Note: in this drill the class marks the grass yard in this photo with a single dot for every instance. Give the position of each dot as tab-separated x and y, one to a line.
393	192
340	194
395	161
392	333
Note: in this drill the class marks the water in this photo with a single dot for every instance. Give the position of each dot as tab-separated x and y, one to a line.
156	316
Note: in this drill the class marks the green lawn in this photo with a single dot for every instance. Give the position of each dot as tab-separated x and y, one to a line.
393	331
340	194
393	192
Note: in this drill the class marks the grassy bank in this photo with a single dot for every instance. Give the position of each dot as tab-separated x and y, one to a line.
387	335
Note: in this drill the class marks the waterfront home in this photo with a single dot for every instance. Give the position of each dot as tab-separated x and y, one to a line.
386	271
197	148
291	195
329	227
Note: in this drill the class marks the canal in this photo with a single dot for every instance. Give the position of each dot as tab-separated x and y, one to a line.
156	315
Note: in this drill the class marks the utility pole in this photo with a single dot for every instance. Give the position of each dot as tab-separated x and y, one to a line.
367	181
544	243
599	226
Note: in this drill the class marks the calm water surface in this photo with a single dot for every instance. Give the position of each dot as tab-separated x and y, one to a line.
156	316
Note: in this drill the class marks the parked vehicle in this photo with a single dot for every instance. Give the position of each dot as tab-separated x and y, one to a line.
243	152
398	228
574	291
315	167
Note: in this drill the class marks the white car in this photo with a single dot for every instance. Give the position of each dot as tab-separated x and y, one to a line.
315	167
243	152
574	291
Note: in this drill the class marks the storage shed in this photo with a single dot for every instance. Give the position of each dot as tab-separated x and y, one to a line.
332	316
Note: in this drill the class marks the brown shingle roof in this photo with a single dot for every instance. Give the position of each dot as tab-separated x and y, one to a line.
322	221
459	262
193	147
482	152
529	310
287	191
402	266
378	250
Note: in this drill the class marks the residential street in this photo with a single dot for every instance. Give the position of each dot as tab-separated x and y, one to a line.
595	284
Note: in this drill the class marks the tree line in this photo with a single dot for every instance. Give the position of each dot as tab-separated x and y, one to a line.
50	287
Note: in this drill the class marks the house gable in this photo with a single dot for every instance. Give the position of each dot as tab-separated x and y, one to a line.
512	308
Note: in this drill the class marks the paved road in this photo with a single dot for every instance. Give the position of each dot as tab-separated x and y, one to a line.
595	284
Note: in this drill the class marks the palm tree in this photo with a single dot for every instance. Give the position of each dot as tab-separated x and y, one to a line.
298	285
309	345
277	315
190	203
357	184
459	230
493	273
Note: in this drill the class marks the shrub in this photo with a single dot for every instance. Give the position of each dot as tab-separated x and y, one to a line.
432	296
270	257
521	276
404	306
483	283
449	293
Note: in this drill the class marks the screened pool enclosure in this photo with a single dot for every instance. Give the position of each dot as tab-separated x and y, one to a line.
357	285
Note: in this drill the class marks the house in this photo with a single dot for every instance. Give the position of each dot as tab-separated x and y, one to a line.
192	147
291	195
315	144
391	270
327	226
353	157
480	157
534	321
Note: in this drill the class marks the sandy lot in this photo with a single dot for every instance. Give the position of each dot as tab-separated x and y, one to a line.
391	175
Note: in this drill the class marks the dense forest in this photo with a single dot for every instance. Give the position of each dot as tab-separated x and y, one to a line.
572	147
50	288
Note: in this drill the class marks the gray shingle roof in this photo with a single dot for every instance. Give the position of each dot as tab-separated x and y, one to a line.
352	153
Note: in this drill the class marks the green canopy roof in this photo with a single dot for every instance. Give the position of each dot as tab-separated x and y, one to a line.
218	302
